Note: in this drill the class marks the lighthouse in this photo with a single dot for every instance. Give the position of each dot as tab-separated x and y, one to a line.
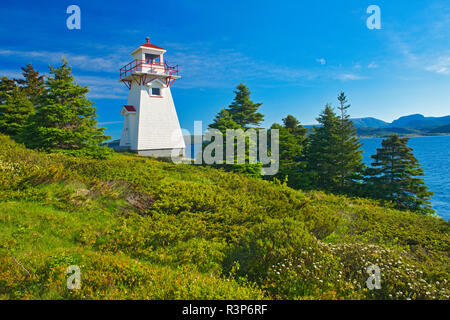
150	126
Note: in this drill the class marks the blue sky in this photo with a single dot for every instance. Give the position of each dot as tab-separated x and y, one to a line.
295	56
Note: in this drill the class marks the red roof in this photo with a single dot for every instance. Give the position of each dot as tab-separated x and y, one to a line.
130	108
149	45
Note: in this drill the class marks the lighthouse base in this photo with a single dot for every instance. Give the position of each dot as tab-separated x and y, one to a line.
162	152
167	152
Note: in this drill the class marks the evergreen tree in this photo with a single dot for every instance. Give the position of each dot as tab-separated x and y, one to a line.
65	119
6	86
294	126
349	157
223	121
321	170
394	176
292	142
333	157
33	83
15	108
243	111
241	114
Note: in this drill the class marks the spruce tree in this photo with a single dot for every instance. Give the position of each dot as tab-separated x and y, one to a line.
243	111
6	86
395	176
65	120
322	170
15	107
294	126
292	142
349	157
241	114
223	121
32	84
333	156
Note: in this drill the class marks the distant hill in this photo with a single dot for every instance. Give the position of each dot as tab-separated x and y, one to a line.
410	121
420	121
414	124
383	132
441	129
370	122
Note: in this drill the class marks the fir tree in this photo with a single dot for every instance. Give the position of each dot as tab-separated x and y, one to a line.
6	86
241	114
394	176
65	119
333	157
292	142
349	157
322	170
32	84
294	126
15	108
243	111
223	121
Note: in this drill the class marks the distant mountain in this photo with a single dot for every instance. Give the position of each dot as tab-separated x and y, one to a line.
411	121
419	121
414	124
369	122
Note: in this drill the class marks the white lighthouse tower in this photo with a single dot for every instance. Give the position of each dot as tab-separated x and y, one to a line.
151	124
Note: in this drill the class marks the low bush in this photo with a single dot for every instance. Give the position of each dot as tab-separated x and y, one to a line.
148	229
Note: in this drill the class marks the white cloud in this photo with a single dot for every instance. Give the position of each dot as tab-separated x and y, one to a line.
99	87
109	63
349	76
420	49
103	87
202	65
441	66
372	65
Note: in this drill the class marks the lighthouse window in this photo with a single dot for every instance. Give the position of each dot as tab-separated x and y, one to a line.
151	58
156	91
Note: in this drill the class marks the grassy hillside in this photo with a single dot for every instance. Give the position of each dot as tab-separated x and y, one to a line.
146	229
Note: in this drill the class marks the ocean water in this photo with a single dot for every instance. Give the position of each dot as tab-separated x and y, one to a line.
433	154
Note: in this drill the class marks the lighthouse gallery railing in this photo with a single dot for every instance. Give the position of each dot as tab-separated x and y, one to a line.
149	66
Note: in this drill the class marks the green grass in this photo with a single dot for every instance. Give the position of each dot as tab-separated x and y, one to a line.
140	228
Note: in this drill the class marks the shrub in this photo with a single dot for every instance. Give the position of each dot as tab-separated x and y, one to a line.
143	228
265	245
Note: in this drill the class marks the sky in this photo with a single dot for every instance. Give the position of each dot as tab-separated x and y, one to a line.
295	56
